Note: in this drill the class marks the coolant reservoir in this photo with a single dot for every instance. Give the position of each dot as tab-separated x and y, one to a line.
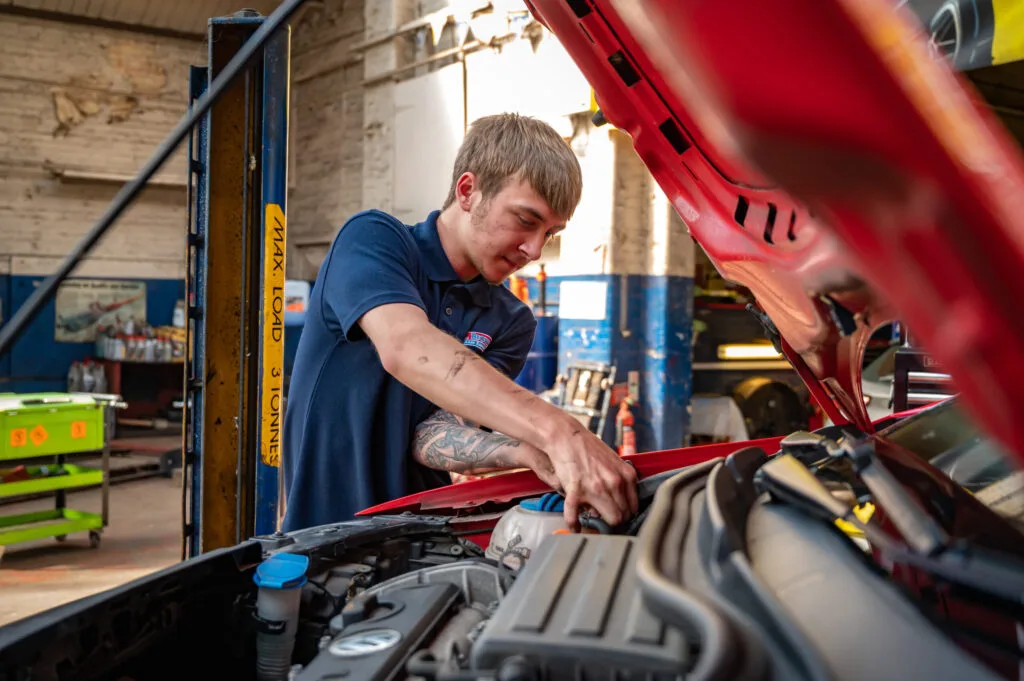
280	579
523	527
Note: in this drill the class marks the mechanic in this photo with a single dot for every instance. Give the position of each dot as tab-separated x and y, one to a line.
411	344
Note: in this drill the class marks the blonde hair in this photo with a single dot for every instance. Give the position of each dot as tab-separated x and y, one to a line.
503	146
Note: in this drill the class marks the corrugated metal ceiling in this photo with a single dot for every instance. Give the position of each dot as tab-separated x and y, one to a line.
184	16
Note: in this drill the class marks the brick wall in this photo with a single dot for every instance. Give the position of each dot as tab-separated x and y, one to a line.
81	108
326	143
381	17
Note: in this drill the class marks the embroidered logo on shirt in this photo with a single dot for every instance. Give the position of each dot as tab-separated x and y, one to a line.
475	339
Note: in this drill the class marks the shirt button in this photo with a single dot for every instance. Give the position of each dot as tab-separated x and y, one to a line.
448	310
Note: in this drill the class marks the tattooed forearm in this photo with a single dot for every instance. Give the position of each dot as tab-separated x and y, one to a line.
447	442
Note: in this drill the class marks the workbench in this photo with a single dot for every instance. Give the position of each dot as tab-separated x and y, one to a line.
54	426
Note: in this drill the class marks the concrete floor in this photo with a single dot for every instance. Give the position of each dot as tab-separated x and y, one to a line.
144	535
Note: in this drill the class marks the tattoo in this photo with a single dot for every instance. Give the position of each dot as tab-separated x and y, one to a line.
449	443
461	357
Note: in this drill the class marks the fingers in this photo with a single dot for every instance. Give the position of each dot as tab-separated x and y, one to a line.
592	474
548	477
572	510
542	467
632	478
609	498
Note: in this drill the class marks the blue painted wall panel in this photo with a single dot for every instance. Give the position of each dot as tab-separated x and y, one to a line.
584	339
5	313
36	359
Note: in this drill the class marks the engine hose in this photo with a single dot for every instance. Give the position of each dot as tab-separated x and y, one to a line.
130	191
452	643
592	523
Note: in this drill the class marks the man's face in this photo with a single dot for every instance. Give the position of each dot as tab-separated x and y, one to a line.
509	230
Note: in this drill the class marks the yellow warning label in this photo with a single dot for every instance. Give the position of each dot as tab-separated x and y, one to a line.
39	435
1007	33
79	430
19	437
273	335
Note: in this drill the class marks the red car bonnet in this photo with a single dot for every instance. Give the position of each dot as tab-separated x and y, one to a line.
823	159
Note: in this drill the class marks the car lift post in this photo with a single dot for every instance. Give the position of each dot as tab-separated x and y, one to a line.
235	275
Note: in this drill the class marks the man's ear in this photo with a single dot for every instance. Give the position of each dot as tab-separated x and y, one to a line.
465	186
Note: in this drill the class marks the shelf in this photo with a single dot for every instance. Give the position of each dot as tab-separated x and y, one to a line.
15	529
76	476
74	176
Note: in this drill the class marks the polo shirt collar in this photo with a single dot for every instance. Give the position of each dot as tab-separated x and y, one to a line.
437	266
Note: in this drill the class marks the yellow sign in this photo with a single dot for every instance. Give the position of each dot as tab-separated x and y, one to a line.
39	435
78	430
1008	36
273	336
19	437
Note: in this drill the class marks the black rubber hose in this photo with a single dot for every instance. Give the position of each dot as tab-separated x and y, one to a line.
252	47
592	523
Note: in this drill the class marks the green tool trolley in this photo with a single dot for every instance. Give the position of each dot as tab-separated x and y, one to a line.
55	426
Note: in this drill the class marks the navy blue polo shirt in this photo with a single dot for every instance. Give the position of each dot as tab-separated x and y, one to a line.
349	424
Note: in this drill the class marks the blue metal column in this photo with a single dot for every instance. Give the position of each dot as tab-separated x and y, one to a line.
195	287
276	97
236	294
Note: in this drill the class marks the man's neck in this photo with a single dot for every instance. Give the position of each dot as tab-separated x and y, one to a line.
447	232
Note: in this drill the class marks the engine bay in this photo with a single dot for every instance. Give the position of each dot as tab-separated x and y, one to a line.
731	570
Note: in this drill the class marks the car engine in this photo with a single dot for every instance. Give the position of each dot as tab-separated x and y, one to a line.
574	608
723	574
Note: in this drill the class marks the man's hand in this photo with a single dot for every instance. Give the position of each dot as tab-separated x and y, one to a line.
458	380
592	474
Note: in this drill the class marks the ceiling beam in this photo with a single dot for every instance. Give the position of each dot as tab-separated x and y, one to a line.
14	10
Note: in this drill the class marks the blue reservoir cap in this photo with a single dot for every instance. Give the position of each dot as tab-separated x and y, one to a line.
552	502
282	571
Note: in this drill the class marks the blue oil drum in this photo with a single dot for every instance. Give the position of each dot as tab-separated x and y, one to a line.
541	366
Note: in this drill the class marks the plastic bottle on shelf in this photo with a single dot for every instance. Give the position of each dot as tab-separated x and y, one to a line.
75	378
99	379
88	379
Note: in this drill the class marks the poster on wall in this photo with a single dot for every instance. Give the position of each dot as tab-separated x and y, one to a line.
84	304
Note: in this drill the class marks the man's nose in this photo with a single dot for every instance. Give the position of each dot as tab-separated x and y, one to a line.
533	247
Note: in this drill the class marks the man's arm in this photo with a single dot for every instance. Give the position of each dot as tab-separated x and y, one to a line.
448	442
456	379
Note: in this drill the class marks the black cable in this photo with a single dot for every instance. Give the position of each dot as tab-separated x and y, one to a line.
337	600
252	47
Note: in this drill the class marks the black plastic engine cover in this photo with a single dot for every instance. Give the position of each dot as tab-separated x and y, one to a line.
383	633
575	612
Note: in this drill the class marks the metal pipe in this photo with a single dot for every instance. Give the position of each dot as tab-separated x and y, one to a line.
926	398
253	47
930	377
542	279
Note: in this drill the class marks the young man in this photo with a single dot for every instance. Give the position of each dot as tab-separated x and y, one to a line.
410	342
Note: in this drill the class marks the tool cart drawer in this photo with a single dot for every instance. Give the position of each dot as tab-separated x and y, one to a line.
46	424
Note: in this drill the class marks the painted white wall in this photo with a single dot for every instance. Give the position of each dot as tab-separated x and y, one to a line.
545	83
429	127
